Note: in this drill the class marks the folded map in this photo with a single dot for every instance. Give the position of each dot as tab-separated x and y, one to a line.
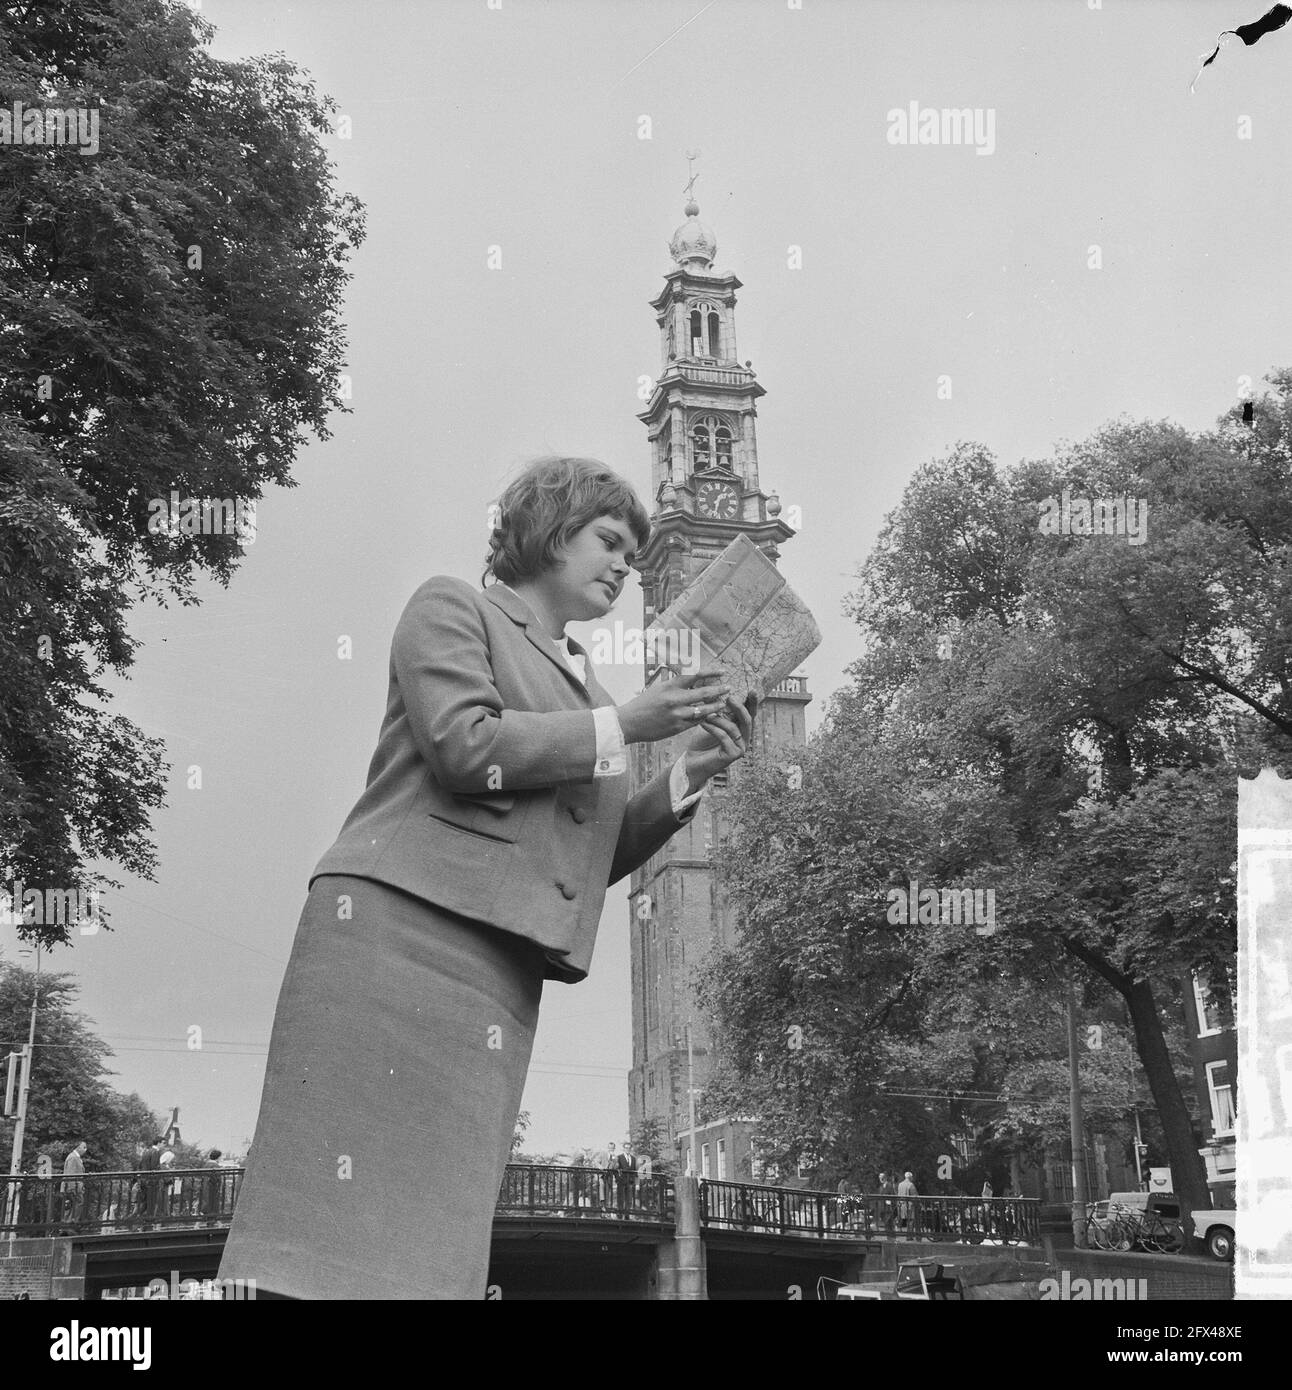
741	615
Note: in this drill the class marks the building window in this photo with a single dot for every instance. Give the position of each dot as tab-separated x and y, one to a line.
1207	1006
711	443
1222	1099
1060	1180
704	1160
697	333
722	1159
664	444
706	331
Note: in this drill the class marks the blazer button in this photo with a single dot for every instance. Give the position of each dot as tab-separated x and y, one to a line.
566	891
579	814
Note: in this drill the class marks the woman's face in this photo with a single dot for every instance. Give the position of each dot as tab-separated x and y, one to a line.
592	577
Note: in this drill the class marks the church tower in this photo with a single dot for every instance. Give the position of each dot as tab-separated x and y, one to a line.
706	489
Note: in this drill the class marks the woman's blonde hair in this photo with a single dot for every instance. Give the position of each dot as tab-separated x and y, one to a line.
550	501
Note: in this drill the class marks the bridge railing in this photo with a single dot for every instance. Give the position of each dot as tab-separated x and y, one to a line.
127	1201
589	1193
792	1211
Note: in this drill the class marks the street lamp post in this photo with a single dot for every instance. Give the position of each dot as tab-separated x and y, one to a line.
24	1088
690	1092
1080	1184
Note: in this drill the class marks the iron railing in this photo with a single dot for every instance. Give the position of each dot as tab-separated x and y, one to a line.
589	1193
876	1216
128	1201
131	1201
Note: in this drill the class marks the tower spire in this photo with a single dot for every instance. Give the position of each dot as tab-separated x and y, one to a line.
692	208
693	245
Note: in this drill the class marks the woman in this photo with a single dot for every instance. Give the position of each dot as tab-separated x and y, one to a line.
473	867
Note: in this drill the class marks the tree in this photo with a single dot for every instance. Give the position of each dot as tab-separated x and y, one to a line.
170	310
518	1135
650	1140
69	1098
1057	717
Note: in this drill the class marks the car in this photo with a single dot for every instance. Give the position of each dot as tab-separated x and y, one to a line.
1216	1228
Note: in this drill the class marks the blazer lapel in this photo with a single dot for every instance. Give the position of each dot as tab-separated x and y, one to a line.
520	613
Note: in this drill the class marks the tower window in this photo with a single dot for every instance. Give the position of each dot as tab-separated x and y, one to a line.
706	330
711	443
665	445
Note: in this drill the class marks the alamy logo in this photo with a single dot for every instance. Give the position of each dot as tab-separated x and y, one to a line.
1067	515
1073	1290
656	646
50	125
53	907
203	516
952	907
77	1343
948	125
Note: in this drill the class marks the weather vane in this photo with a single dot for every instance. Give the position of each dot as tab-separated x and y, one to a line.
691	157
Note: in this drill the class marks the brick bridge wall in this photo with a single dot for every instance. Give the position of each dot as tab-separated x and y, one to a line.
42	1267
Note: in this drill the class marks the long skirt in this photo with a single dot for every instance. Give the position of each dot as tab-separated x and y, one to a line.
395	1070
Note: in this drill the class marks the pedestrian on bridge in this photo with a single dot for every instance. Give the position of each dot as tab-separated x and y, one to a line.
888	1207
74	1191
626	1180
907	1190
472	869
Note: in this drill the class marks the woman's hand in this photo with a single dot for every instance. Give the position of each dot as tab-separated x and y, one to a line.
720	741
671	707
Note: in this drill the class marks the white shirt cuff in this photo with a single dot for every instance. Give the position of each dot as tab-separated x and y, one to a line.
612	753
677	785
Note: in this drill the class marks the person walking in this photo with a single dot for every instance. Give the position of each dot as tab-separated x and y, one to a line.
150	1185
627	1180
906	1190
610	1180
846	1202
74	1190
988	1211
598	1160
472	869
888	1208
211	1182
168	1204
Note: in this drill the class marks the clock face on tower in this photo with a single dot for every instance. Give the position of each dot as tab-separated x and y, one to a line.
718	501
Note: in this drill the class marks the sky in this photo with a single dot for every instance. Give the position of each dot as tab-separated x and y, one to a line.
1120	250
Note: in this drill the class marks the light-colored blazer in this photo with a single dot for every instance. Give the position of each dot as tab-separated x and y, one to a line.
481	796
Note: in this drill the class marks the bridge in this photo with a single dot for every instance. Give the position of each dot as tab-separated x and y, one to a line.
558	1233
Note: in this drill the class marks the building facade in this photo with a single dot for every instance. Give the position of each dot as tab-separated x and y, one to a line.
705	489
1213	1047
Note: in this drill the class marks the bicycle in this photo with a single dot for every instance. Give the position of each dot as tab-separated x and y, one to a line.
1157	1234
1109	1229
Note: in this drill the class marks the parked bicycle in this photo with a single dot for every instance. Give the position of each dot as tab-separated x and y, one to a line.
1136	1221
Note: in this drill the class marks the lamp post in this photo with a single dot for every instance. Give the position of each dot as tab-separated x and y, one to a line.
690	1092
24	1087
1080	1185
